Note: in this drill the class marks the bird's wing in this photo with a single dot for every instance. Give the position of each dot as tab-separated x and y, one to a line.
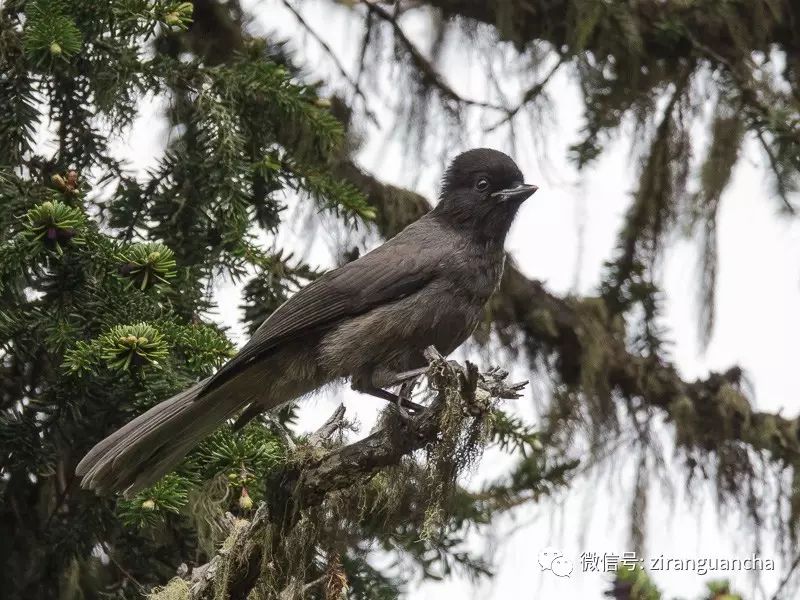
388	273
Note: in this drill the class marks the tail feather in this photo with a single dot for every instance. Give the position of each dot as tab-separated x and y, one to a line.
154	443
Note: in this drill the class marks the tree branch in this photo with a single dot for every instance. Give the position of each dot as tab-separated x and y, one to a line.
237	566
429	74
354	83
544	20
530	94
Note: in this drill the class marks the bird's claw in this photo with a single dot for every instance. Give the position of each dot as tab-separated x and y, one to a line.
408	410
405	403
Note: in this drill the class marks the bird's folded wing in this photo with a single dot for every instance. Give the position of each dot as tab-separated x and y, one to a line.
386	274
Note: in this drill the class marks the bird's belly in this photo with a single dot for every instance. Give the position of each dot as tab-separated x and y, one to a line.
394	336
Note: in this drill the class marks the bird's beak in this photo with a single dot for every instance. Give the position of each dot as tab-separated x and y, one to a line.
518	193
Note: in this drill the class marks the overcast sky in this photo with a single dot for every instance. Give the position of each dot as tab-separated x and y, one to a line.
562	236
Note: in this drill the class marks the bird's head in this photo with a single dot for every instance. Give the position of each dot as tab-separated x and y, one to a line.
482	190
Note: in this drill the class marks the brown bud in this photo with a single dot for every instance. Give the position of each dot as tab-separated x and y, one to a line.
245	501
72	179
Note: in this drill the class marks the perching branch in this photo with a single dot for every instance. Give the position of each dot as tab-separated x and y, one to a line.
237	566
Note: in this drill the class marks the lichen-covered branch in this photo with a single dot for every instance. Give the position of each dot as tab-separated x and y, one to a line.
257	550
523	22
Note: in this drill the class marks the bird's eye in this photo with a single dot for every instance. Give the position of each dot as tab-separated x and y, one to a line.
482	184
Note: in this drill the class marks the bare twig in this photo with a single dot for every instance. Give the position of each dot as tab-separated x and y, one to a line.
429	74
334	423
531	94
281	431
110	554
362	55
787	578
354	83
773	163
317	581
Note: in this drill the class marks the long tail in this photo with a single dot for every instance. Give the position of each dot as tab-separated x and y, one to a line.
154	443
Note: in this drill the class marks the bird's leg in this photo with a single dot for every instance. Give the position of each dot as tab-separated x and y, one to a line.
406	376
396	399
406	389
368	385
407	380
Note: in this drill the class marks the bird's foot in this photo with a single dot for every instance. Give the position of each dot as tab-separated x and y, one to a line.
401	401
405	404
404	401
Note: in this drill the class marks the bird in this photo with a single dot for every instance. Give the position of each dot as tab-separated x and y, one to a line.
368	321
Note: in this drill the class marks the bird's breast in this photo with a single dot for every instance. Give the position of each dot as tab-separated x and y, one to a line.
477	272
442	314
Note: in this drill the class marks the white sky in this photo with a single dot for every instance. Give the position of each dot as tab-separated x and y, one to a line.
757	321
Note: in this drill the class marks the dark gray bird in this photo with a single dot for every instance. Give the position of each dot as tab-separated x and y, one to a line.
369	320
